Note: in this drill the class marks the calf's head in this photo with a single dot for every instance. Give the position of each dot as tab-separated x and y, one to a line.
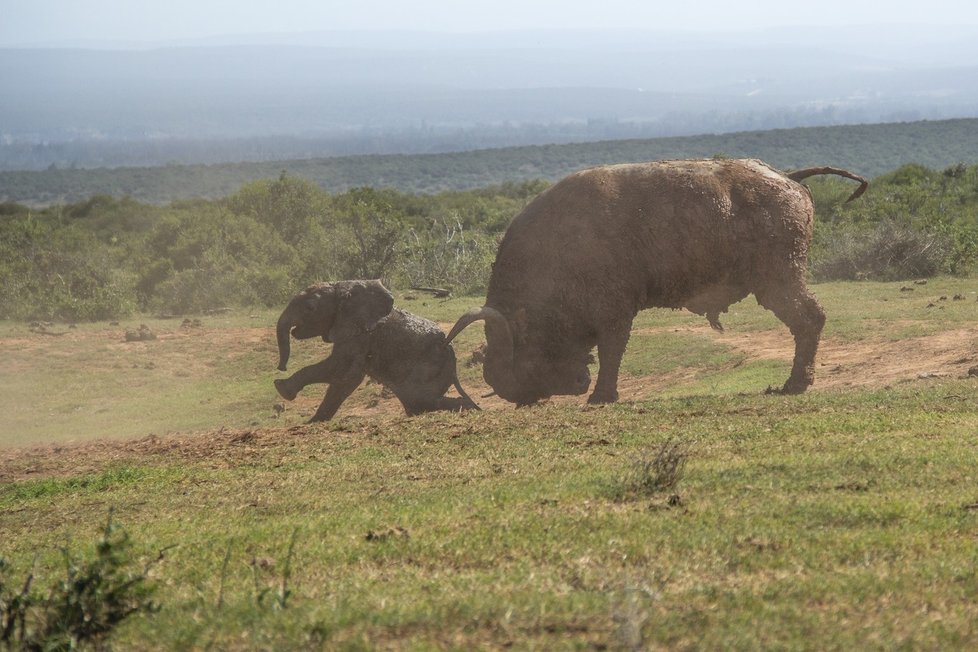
333	311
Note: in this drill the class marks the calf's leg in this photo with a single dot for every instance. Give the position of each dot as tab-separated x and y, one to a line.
338	392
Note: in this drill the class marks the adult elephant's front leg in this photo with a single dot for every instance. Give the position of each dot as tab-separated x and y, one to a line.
611	348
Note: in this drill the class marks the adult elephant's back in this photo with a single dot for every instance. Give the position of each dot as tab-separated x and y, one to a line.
667	234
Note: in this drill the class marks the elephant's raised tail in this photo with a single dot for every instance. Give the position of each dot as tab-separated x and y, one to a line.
799	175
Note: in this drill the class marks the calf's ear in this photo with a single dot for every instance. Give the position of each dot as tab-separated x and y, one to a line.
360	306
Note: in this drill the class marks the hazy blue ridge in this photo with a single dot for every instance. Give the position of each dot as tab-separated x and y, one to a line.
869	150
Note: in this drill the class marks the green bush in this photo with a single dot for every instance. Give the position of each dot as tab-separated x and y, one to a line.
885	252
913	222
197	260
49	271
447	255
95	595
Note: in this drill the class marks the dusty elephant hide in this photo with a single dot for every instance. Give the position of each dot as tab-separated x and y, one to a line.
580	261
407	354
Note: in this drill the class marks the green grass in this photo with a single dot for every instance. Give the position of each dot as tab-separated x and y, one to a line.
814	522
831	520
112	477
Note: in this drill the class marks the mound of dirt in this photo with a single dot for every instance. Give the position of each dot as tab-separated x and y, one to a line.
142	334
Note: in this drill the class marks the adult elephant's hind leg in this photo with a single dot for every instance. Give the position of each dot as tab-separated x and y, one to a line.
801	313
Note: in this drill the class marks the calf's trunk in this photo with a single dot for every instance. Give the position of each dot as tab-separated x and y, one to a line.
284	345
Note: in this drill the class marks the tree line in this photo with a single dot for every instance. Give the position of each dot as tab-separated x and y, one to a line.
869	150
106	257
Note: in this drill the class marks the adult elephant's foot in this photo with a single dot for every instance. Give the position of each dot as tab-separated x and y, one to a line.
796	385
790	389
283	389
599	397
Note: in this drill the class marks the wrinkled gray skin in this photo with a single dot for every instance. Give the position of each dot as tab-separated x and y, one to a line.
406	353
580	261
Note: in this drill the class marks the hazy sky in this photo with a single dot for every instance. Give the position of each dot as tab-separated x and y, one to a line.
44	21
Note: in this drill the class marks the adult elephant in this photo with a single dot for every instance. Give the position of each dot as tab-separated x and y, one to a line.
580	261
406	353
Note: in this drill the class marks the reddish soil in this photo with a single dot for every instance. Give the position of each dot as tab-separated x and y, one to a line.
868	363
840	364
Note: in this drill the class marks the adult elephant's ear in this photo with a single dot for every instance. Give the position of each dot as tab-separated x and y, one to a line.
361	304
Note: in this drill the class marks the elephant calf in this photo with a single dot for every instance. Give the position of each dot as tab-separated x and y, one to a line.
407	354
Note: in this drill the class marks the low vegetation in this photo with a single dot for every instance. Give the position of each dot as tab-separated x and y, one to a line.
107	258
914	222
95	596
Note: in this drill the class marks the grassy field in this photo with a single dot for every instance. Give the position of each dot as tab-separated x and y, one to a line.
846	518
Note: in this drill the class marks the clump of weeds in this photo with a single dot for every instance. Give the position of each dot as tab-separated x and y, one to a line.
96	594
653	472
266	593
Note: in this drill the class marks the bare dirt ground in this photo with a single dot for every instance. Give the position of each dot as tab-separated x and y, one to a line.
840	364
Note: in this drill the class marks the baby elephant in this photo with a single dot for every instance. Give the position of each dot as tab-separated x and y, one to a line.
404	352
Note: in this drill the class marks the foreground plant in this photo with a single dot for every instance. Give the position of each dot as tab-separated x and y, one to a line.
94	597
655	471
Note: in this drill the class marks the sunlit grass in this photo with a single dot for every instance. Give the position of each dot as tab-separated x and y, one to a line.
818	520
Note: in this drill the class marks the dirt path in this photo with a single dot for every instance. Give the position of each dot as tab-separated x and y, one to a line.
840	363
865	363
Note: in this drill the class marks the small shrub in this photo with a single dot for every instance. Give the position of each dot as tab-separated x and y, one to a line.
654	471
277	597
93	598
888	252
447	255
15	604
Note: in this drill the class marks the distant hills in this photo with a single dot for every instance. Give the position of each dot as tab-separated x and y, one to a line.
325	94
866	149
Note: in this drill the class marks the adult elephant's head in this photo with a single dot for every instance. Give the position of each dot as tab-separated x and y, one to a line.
529	358
333	311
